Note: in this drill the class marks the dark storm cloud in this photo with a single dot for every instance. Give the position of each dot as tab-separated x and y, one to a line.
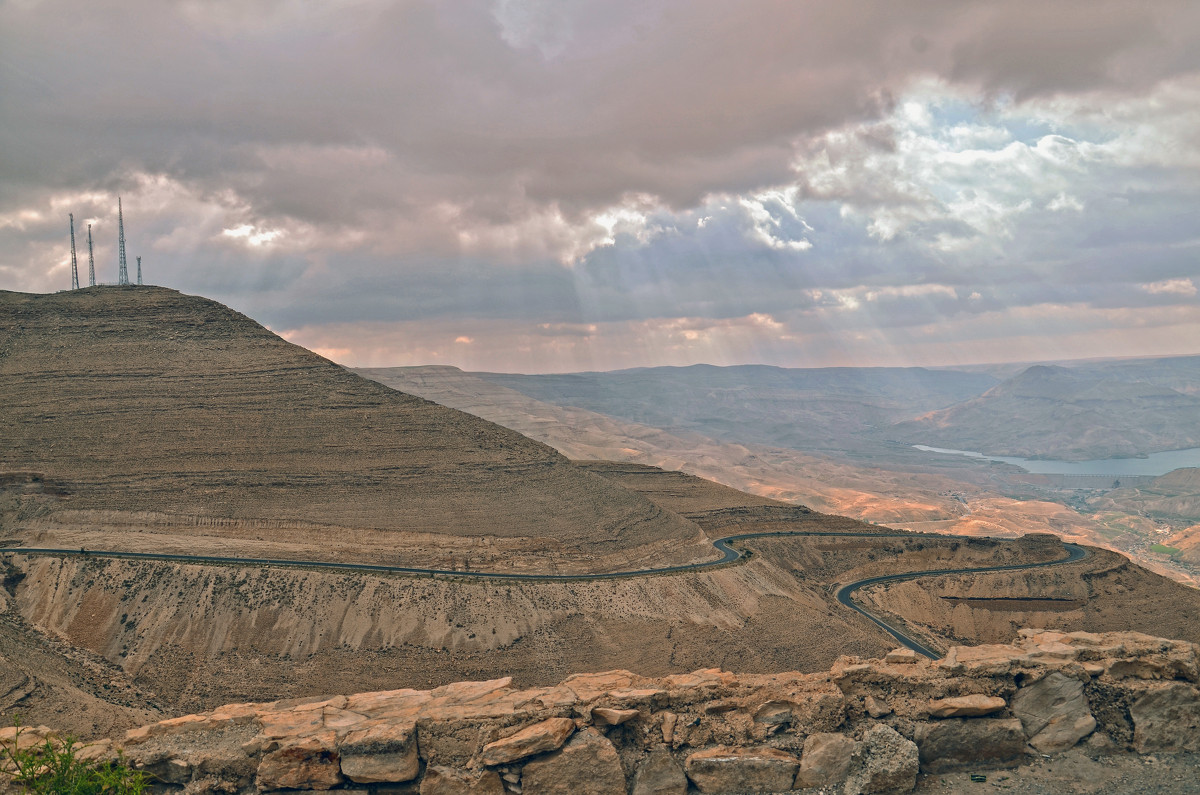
672	99
372	161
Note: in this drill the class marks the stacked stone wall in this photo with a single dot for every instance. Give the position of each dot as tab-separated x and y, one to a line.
864	726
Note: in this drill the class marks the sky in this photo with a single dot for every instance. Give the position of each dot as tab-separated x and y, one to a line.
565	185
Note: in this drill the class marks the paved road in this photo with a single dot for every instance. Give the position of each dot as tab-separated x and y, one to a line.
845	594
729	555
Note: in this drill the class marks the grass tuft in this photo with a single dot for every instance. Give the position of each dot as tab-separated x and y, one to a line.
53	767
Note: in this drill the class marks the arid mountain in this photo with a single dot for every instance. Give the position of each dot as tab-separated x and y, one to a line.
1174	497
1181	373
143	410
809	410
142	419
1053	412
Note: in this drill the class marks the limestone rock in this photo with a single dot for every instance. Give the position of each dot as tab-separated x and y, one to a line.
876	707
546	735
884	761
383	753
660	774
670	719
1167	718
956	744
440	780
902	656
98	751
826	760
308	763
774	713
724	769
587	765
1054	713
965	706
606	716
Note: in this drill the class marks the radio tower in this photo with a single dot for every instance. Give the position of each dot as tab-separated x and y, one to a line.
122	268
74	262
139	271
91	260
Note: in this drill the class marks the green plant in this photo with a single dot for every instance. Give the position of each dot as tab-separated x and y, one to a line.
53	767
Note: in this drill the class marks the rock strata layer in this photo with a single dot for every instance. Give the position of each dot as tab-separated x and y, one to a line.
708	731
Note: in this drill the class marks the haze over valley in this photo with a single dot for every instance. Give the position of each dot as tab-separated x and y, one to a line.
843	439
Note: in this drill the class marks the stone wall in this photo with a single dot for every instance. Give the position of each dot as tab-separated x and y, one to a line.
864	726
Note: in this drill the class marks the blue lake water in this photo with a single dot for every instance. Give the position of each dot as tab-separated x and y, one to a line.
1153	464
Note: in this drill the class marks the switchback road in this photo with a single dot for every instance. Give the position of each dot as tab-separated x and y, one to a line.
729	555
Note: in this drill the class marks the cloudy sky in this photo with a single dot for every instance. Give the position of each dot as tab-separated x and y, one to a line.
557	185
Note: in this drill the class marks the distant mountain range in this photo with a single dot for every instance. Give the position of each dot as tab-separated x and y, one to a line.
1056	412
1090	410
812	410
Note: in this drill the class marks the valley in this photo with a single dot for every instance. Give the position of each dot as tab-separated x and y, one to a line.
883	482
153	423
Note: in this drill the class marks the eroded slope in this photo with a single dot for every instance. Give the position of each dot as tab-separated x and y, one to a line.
146	408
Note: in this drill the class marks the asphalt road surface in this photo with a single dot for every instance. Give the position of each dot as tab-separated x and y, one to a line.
729	555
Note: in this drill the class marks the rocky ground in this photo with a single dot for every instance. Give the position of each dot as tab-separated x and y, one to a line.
1050	712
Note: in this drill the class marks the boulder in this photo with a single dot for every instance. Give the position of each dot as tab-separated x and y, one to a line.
1167	718
826	760
383	753
724	769
546	735
440	780
660	774
1054	713
965	706
884	761
956	744
308	763
587	765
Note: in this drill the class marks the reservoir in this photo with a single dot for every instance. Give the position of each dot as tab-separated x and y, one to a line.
1154	464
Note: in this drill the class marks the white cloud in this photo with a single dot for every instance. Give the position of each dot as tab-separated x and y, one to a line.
1183	287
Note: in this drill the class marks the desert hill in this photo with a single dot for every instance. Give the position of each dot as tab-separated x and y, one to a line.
145	408
1173	497
1054	412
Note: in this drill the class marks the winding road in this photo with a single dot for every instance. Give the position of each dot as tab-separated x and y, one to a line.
729	556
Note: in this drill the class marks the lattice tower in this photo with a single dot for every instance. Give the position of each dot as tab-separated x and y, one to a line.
122	268
74	261
139	259
91	260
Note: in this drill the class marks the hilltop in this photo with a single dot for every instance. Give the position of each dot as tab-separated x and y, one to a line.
141	408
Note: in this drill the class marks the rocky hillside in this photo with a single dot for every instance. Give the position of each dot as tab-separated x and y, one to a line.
140	400
865	726
1053	412
1173	497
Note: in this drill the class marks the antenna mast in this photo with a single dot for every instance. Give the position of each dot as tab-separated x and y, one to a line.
122	268
74	261
91	260
139	259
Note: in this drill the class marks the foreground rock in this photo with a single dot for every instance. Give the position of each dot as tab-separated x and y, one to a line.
865	726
